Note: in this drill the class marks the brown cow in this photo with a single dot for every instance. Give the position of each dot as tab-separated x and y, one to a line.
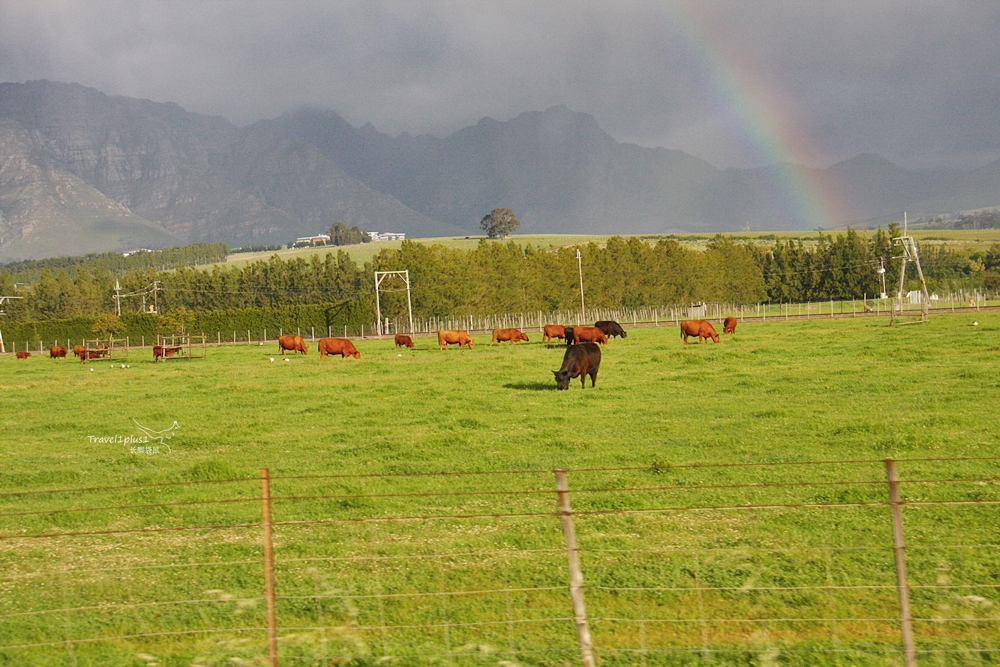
164	352
293	343
550	331
579	361
588	335
96	353
701	328
22	354
512	335
402	339
341	346
729	326
446	338
57	352
79	350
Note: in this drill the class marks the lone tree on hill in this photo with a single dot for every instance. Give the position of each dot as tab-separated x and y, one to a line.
340	234
500	223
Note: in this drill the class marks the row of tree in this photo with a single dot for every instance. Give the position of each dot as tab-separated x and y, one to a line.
116	263
509	277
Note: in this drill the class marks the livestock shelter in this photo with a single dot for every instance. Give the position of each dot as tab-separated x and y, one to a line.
106	349
186	346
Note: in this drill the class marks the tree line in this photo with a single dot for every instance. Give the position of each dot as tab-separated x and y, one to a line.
116	263
493	278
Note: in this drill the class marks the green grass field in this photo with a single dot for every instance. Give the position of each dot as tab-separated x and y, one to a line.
364	252
714	587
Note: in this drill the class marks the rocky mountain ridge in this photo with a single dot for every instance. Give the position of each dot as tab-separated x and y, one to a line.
81	171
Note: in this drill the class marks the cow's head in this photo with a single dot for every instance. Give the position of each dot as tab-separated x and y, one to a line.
562	379
623	334
715	337
356	355
524	337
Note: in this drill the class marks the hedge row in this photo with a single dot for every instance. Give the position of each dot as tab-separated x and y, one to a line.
138	326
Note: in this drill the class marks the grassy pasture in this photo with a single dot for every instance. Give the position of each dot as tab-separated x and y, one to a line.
777	391
978	239
364	252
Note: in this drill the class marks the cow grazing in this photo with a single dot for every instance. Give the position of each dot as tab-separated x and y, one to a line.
22	354
701	328
403	340
611	328
579	361
550	331
293	343
585	335
163	351
57	352
729	326
79	350
512	335
446	338
341	346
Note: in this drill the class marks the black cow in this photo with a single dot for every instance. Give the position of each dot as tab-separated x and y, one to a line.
569	336
579	361
611	328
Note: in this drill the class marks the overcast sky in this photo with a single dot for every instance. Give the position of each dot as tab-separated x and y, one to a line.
736	83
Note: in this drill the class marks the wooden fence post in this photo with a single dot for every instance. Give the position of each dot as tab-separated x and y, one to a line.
905	617
575	575
272	623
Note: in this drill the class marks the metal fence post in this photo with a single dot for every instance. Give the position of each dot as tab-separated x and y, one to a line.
575	575
272	623
905	617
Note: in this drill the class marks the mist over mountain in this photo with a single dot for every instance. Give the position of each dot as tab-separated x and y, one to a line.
81	171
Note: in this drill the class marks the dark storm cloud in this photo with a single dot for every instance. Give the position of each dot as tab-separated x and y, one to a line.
916	82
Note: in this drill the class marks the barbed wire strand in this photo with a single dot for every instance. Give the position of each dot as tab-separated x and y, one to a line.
91	640
509	515
112	606
648	468
695	487
81	570
373	596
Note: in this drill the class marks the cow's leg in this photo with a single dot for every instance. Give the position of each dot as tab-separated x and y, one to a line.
593	378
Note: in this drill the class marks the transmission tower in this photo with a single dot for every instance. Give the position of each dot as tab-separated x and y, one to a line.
2	299
381	276
910	255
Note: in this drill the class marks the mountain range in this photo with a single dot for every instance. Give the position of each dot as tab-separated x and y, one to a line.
81	171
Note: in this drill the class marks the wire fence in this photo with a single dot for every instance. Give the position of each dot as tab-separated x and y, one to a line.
786	562
643	316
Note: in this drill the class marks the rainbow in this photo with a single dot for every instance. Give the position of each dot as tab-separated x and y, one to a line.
766	122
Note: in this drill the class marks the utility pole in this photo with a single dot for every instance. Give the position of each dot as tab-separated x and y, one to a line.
118	299
2	299
583	306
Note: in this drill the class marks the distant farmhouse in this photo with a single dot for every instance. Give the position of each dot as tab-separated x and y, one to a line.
136	251
318	239
386	236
